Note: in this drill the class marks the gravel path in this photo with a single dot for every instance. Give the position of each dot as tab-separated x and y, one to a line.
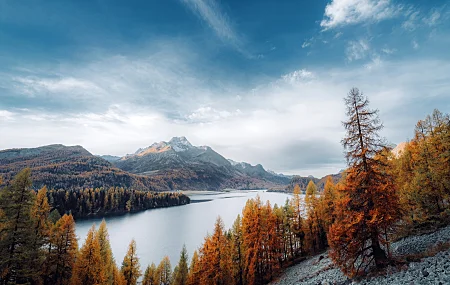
431	270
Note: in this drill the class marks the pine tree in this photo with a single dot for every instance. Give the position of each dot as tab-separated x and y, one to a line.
298	222
106	252
164	271
369	203
326	203
150	275
61	253
237	252
118	278
130	265
88	268
18	243
194	270
182	271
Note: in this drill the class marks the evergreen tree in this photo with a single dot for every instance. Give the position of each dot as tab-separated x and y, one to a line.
130	266
181	274
150	275
106	252
164	271
88	268
237	254
194	270
18	245
369	203
61	253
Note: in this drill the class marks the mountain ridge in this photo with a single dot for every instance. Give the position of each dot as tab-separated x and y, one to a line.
179	157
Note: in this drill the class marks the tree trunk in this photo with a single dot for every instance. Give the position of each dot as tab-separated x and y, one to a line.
378	253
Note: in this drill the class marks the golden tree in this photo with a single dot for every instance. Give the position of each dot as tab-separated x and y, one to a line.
130	266
370	205
88	267
181	276
62	252
150	275
106	252
164	272
194	269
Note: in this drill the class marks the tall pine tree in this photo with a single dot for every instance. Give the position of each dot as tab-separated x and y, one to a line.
369	204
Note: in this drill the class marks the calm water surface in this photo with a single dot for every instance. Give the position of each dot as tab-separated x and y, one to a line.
160	232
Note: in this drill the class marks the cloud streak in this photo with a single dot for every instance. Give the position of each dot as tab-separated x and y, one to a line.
340	13
210	12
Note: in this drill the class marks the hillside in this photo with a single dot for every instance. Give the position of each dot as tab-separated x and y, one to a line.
303	182
185	166
71	167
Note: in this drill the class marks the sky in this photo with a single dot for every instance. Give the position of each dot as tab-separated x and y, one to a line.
260	81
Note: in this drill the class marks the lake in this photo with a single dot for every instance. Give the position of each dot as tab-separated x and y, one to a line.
161	232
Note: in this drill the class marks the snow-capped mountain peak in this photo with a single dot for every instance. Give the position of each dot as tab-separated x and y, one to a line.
179	144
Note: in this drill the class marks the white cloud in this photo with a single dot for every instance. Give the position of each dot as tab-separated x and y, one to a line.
347	12
297	76
209	114
415	44
338	35
419	19
306	44
389	51
433	18
412	22
6	115
33	86
210	12
357	50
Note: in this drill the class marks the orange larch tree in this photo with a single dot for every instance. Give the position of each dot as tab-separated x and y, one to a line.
369	205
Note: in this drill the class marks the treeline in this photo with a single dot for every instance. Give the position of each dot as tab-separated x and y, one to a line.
357	219
111	201
422	171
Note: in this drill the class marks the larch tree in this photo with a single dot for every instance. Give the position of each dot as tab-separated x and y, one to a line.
18	243
326	203
62	252
88	267
237	252
130	266
296	205
194	269
313	224
150	275
181	274
118	278
164	271
106	252
369	204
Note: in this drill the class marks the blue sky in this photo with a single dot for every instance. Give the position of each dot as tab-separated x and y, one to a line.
259	81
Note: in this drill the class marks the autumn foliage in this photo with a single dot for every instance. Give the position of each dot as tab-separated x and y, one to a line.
381	195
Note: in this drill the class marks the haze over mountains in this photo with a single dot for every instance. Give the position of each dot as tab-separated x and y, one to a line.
199	166
162	166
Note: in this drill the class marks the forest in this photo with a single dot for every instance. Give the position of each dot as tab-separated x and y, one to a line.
112	201
381	197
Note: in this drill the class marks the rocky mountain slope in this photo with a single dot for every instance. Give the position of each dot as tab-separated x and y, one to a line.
196	167
428	270
71	167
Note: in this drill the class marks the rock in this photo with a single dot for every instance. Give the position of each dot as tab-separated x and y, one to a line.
425	273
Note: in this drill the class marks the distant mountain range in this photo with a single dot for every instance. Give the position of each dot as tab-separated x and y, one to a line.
70	167
196	167
163	166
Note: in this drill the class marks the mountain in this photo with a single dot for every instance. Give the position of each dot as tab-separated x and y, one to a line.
303	182
110	158
196	167
399	149
71	167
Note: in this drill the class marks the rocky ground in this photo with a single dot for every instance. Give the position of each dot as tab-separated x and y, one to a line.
430	270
